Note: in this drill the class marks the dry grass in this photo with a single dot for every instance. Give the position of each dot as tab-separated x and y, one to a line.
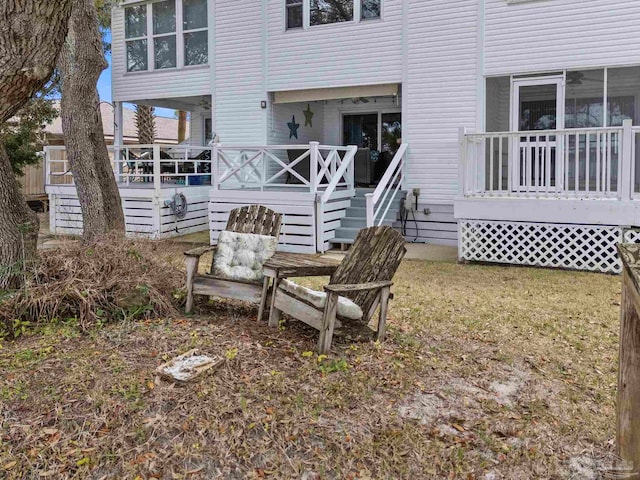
488	372
107	280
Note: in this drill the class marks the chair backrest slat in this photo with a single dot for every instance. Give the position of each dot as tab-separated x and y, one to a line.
374	256
256	219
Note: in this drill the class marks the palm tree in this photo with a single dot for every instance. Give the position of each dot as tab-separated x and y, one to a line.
145	124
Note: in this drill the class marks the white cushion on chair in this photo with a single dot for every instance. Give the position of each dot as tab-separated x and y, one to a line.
346	308
240	256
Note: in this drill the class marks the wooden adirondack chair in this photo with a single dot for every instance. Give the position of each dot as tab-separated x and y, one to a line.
255	219
364	277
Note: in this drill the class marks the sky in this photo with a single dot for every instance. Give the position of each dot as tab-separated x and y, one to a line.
104	87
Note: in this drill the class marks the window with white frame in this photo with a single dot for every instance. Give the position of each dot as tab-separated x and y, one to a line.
295	13
370	9
323	12
194	26
166	34
135	29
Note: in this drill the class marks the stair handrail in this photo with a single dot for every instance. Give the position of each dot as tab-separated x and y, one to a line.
346	163
394	170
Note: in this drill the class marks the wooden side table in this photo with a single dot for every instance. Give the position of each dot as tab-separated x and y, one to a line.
287	265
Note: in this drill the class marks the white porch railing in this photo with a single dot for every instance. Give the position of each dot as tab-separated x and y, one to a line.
570	163
313	167
379	202
153	166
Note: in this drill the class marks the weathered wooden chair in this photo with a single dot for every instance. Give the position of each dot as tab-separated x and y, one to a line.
361	284
255	219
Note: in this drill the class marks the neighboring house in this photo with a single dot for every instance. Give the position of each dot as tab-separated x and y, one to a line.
166	128
384	73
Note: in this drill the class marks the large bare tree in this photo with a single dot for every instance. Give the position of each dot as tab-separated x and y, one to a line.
81	63
31	35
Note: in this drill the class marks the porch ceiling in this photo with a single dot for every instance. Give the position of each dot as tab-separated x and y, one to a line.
188	104
294	96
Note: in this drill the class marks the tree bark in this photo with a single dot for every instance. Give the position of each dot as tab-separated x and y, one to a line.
145	124
182	126
81	63
30	39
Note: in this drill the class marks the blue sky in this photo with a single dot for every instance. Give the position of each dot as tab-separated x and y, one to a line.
104	86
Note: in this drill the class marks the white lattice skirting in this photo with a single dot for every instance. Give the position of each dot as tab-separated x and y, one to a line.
577	247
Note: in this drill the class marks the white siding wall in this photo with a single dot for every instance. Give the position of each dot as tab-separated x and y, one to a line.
129	87
281	114
239	72
560	34
341	54
441	92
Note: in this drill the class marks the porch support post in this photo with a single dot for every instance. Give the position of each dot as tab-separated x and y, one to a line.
118	126
626	167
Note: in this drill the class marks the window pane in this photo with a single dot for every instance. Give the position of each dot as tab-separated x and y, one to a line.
331	11
164	17
137	56
196	51
135	21
294	14
370	9
361	130
624	85
195	14
584	99
165	50
498	104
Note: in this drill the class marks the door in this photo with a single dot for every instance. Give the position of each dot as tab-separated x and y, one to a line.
538	108
378	137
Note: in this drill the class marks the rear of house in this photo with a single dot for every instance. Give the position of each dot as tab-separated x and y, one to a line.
434	96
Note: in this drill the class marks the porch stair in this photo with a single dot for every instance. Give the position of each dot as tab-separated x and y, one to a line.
356	218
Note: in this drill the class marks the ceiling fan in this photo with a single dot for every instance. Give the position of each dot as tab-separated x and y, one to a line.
357	100
576	79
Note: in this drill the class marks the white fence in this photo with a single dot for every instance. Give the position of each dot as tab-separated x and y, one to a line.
313	168
151	166
570	163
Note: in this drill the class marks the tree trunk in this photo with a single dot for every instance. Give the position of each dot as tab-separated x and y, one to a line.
30	39
81	63
182	126
145	124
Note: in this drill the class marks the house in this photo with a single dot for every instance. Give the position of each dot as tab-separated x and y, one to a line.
432	96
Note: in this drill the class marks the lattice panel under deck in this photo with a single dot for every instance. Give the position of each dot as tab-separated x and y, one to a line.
578	247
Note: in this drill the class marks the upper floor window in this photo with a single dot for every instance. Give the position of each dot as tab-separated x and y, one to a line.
331	11
294	13
166	34
370	9
305	13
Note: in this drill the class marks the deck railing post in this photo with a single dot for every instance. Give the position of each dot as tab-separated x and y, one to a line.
314	163
625	169
215	166
47	166
462	160
157	180
370	205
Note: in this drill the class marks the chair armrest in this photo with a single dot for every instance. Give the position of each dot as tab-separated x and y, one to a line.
198	252
357	287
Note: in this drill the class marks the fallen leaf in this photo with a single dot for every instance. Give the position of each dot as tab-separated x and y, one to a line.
10	465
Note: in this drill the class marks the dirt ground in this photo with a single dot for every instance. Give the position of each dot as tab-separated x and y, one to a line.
488	373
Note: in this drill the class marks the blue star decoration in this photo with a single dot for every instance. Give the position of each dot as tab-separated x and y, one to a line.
308	116
293	127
